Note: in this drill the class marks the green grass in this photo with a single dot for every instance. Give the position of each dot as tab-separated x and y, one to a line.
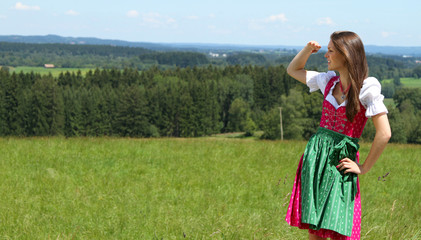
44	71
407	82
203	188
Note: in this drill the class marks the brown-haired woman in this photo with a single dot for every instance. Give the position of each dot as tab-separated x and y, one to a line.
326	196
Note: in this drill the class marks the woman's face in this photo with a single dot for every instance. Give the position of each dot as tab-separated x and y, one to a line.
335	61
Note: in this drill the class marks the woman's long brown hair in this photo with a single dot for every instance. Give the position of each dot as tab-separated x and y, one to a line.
351	47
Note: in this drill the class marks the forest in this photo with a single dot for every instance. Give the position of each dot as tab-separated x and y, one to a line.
135	92
106	57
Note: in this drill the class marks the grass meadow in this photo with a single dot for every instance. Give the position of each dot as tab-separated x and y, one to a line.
201	188
407	82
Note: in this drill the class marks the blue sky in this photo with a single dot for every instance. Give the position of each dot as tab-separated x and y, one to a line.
257	22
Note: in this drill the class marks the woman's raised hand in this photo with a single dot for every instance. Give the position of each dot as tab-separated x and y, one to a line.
313	46
296	66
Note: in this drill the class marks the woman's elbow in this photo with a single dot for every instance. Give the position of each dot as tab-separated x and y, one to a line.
299	74
289	70
386	135
382	126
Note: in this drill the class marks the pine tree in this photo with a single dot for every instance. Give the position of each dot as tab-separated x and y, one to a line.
11	91
47	107
132	112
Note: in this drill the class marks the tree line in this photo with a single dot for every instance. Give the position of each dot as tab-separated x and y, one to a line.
94	56
179	102
103	56
380	66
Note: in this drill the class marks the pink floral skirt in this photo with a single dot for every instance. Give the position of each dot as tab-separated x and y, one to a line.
293	216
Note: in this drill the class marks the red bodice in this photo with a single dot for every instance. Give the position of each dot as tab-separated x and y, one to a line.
335	119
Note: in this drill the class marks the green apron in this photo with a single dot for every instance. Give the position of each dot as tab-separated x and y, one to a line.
327	194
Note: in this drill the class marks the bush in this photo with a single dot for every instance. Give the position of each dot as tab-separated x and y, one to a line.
271	125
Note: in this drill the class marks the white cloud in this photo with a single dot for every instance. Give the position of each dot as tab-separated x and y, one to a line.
151	18
71	13
273	20
21	6
157	20
325	21
276	18
132	14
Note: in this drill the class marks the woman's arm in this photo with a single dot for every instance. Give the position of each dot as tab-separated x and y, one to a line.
383	134
296	66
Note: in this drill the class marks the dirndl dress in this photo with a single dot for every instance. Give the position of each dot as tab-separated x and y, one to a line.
324	200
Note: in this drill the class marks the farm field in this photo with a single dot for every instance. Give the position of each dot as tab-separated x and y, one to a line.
45	71
407	82
201	188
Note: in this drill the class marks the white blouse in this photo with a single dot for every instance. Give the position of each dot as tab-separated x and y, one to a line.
370	94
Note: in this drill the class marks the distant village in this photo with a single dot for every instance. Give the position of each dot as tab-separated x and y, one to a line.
217	55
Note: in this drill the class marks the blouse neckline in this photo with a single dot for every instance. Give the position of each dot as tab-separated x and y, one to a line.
330	98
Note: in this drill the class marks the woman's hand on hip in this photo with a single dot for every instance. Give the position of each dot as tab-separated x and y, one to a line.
350	166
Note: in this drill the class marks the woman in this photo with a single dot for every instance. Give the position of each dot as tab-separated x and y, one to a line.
325	197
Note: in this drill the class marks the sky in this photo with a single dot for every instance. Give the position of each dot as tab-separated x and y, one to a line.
257	22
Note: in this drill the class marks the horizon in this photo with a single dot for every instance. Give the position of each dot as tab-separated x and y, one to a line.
266	23
195	43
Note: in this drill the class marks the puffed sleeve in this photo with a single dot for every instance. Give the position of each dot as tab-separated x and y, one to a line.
318	80
371	97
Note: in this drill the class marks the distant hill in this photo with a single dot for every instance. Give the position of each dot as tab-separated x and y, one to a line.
200	47
392	50
81	40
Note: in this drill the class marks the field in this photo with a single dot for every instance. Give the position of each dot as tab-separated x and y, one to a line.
203	188
407	82
44	71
